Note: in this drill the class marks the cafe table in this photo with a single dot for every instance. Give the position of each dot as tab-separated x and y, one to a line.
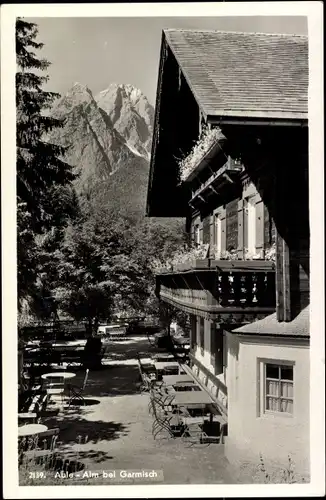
177	379
163	365
185	386
60	375
163	357
191	399
31	429
27	416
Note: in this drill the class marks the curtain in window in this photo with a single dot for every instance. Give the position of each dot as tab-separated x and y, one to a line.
276	391
272	389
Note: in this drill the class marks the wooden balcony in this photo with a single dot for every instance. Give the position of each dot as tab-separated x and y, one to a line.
230	291
226	174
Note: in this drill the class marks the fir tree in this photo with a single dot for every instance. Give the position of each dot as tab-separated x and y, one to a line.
45	196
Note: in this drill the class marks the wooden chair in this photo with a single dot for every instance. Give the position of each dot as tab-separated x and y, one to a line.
76	393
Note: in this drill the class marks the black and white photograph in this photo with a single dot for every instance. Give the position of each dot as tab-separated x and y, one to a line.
163	246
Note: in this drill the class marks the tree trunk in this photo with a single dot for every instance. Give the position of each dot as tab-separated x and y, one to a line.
96	323
89	326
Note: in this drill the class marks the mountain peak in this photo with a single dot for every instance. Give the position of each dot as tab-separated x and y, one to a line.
76	95
130	114
81	90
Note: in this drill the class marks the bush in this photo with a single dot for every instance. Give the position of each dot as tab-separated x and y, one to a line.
285	474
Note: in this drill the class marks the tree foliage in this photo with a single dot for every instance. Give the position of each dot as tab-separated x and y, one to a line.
45	196
88	257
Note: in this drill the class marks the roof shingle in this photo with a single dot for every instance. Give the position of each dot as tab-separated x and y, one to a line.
298	327
244	74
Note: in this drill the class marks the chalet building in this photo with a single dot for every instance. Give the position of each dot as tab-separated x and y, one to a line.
230	155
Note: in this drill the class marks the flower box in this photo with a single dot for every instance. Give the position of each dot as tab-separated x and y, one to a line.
243	265
192	264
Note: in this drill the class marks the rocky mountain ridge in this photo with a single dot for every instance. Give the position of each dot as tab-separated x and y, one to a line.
108	141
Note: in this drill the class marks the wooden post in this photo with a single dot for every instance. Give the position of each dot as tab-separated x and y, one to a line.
283	295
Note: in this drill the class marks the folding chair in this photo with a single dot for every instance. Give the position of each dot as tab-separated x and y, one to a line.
76	393
41	448
166	422
55	387
193	433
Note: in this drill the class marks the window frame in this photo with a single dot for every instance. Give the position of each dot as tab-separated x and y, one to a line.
262	406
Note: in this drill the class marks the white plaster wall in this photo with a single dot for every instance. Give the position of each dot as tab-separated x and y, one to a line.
251	432
216	389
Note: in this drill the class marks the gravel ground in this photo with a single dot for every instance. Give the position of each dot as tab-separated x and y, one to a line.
116	426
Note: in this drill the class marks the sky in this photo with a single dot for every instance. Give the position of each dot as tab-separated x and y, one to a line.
99	51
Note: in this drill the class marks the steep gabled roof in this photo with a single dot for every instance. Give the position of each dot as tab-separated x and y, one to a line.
254	75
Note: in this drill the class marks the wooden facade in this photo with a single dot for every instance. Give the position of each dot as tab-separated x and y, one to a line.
246	202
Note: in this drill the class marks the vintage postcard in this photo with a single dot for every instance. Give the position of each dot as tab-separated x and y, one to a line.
163	293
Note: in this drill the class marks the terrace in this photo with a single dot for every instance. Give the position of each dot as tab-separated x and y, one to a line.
113	429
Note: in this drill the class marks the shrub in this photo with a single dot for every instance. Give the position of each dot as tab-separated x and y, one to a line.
285	474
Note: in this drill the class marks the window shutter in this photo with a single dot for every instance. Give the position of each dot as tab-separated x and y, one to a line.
202	335
211	235
232	225
259	225
240	228
267	228
273	233
218	351
206	229
223	230
245	224
192	233
193	322
213	343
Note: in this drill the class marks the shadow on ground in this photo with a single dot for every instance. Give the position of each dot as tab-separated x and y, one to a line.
74	428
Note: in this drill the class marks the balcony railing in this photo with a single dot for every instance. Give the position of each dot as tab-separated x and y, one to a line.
220	286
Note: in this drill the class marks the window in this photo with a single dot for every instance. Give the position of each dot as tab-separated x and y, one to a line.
278	390
202	335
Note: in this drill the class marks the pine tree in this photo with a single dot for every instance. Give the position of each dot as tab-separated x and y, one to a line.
45	196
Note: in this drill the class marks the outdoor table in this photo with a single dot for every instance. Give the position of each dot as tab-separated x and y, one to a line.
70	343
163	357
64	375
26	415
176	379
185	386
191	399
162	365
146	361
31	429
